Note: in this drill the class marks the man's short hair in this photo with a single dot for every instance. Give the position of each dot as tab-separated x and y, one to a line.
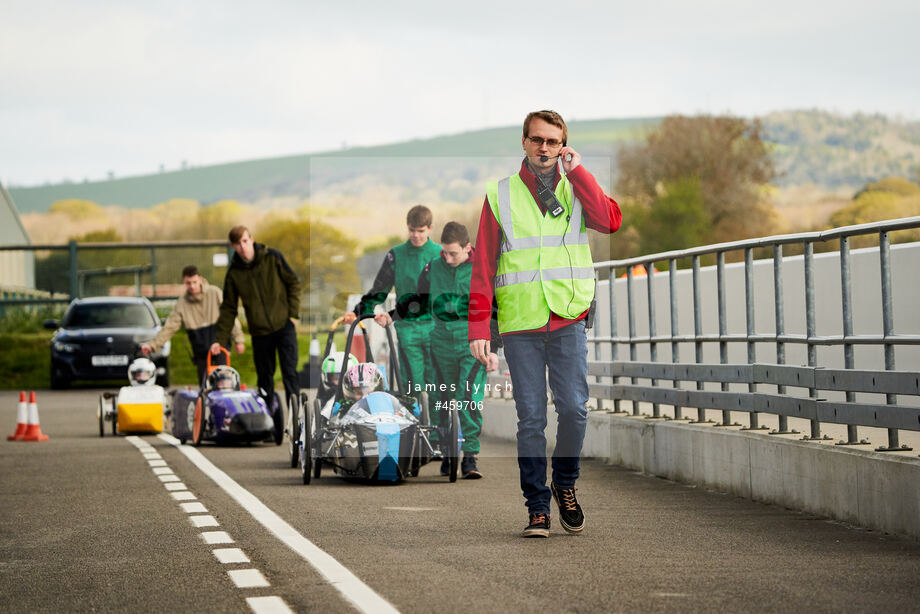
418	216
189	271
236	233
550	117
455	232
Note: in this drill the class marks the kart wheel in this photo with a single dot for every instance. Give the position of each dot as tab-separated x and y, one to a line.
293	429
425	418
198	423
278	419
305	418
101	417
453	443
317	461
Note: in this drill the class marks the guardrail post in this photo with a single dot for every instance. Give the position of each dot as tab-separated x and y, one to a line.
723	344
884	253
848	354
780	313
810	329
614	345
675	346
632	330
653	350
74	292
698	329
753	416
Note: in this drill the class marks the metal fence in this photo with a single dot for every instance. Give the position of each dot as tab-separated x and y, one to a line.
683	385
51	276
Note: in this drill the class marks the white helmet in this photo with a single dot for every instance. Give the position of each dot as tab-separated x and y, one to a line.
142	372
224	378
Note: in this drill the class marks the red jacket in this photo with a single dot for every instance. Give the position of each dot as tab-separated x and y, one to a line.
601	214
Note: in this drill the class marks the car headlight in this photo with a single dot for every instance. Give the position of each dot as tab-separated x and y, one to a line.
67	348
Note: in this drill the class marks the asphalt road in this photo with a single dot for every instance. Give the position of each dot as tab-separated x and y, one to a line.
87	525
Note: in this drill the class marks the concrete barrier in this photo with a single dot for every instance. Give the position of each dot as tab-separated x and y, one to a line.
877	490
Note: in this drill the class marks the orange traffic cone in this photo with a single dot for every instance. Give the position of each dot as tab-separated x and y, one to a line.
22	418
33	431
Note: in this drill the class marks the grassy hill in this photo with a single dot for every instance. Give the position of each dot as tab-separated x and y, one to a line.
260	180
810	148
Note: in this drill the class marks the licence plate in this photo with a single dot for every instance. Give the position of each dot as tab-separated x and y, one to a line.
110	361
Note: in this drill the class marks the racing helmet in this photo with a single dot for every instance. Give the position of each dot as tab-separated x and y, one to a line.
223	378
142	372
361	380
332	366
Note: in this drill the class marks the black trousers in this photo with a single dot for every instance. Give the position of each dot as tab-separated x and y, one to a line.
284	342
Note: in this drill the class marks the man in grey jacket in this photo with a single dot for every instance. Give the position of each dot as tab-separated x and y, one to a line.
197	310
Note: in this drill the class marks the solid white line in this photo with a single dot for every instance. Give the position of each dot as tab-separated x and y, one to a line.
359	594
193	508
175	486
230	555
216	537
182	496
268	605
248	578
204	520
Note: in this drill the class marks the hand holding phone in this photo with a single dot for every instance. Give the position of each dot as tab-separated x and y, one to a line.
569	158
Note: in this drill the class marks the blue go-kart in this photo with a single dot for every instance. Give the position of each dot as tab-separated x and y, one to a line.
382	437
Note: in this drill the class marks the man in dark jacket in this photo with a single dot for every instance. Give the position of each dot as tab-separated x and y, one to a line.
261	278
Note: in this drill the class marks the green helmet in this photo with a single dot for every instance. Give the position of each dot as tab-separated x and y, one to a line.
332	367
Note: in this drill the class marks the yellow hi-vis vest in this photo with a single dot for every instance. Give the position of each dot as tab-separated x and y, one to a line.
545	262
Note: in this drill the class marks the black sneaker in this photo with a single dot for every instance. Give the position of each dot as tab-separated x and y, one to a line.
445	466
468	468
538	526
571	517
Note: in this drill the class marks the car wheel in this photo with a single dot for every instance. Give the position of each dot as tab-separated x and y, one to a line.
453	443
315	441
198	425
58	380
306	444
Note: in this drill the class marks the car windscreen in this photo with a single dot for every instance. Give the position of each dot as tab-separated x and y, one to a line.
109	315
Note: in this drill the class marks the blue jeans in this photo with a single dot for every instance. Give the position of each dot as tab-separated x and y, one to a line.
565	353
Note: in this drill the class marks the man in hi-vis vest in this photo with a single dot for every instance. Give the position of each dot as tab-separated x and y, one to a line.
532	256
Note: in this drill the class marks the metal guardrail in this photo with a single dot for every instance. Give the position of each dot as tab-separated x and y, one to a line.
814	378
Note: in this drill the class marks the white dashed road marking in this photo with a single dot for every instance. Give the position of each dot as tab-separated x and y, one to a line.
268	605
248	578
216	537
359	594
230	555
205	520
193	508
242	578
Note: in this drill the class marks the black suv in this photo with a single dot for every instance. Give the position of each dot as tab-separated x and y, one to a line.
99	337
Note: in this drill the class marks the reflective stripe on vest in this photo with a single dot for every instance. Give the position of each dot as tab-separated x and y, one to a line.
575	236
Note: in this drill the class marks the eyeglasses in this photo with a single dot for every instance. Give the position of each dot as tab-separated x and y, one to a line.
539	140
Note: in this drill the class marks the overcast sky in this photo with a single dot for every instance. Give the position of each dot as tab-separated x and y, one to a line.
91	87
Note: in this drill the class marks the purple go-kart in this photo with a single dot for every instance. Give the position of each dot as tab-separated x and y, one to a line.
225	412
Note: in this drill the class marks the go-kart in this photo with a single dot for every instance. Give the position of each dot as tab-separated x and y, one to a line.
137	408
323	392
225	412
382	437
